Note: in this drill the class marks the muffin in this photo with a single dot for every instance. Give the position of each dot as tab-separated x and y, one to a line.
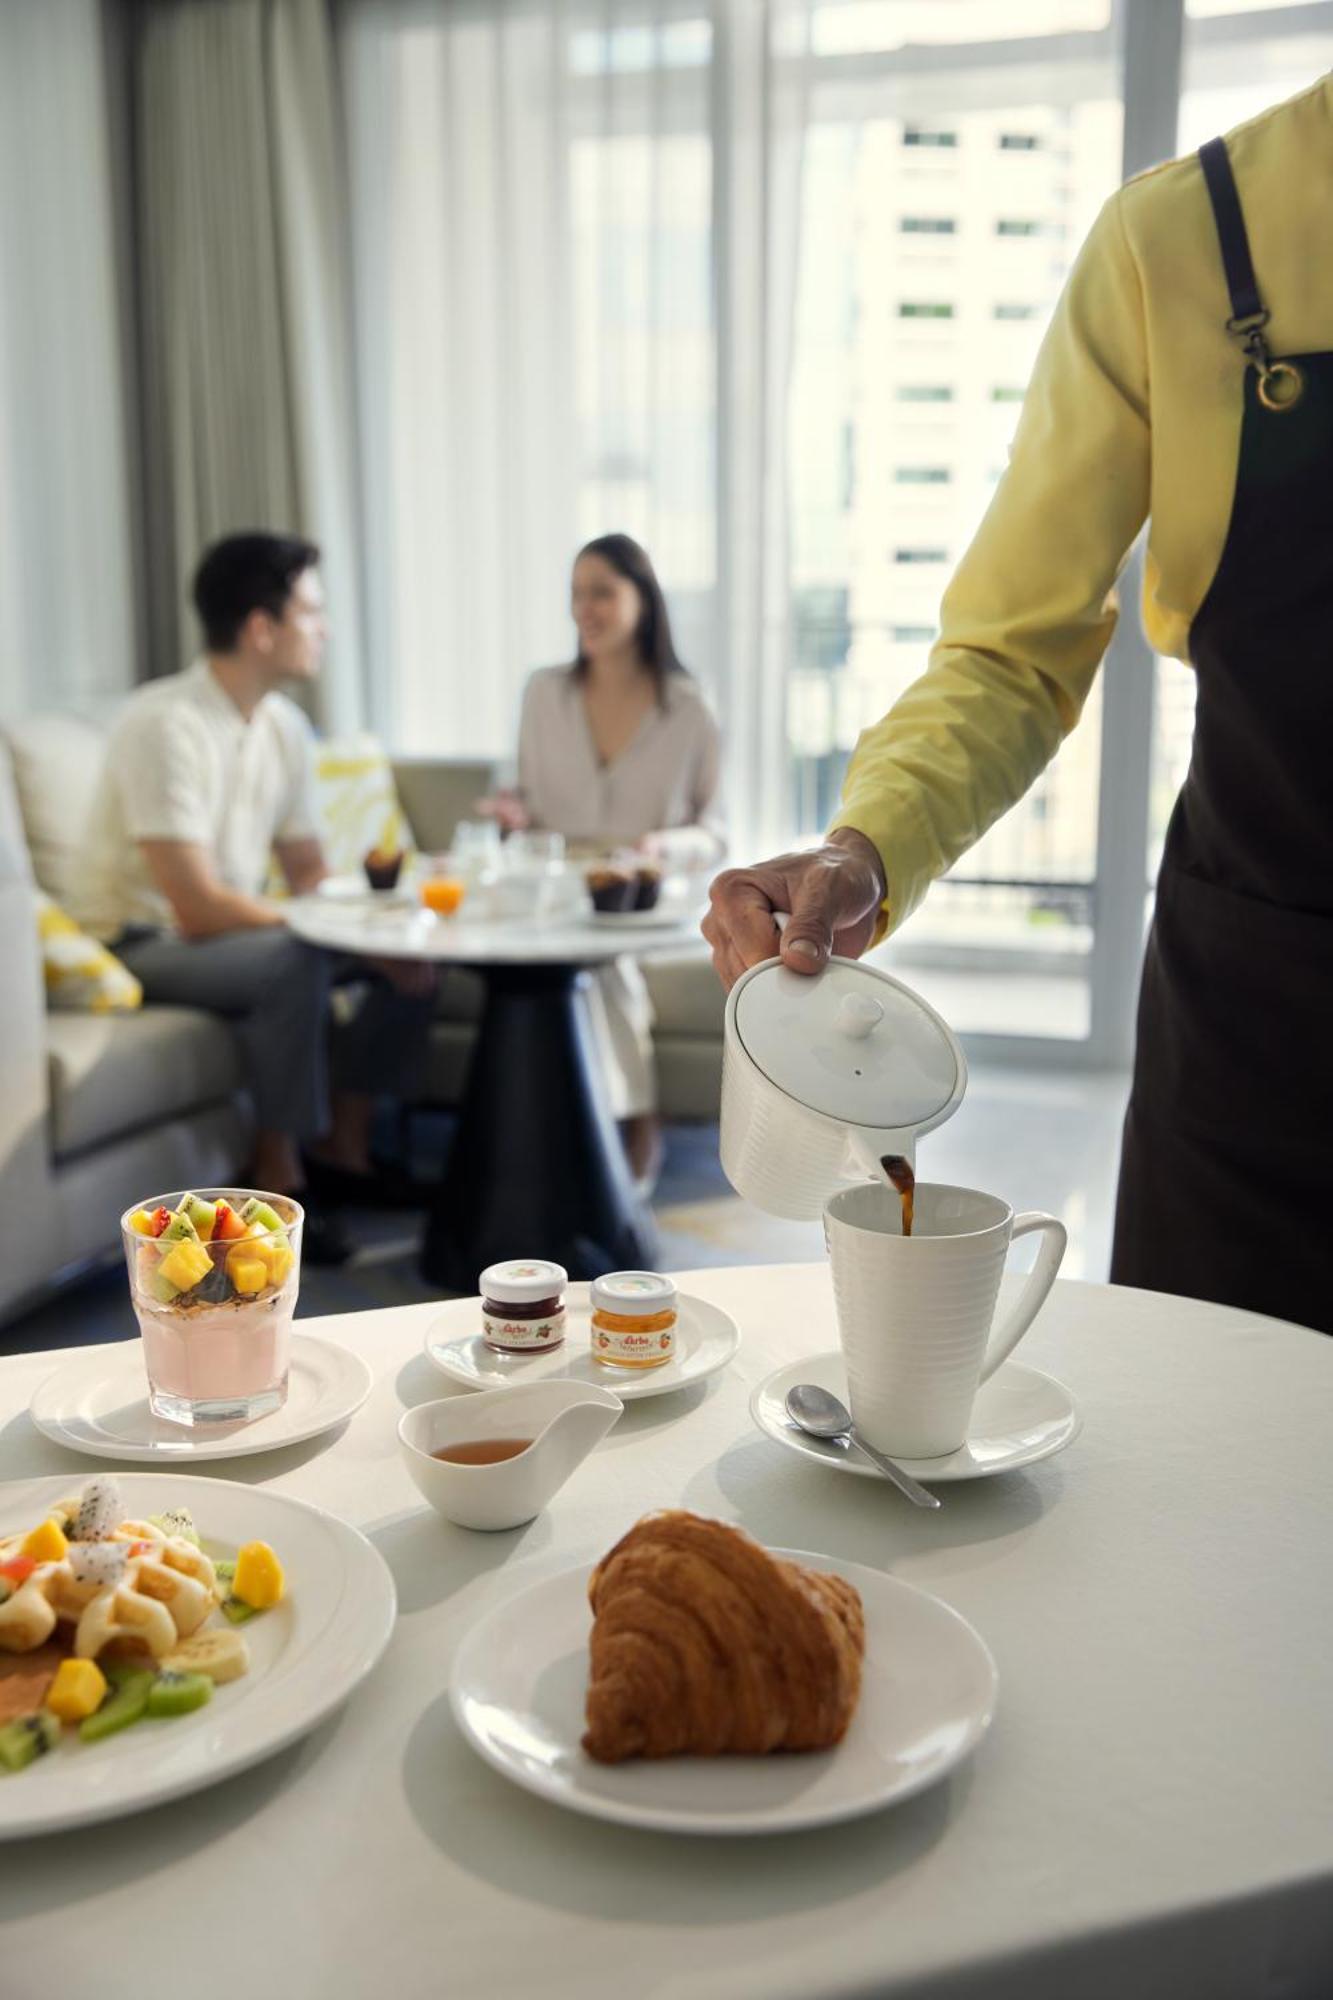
383	869
647	886
613	890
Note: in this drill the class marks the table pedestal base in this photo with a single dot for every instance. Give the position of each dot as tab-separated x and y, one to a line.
537	1168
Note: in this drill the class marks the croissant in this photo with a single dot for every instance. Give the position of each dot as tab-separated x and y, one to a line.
703	1643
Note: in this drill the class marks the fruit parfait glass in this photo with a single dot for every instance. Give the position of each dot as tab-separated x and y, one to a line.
213	1276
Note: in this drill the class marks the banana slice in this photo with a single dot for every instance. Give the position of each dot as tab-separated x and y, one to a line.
223	1656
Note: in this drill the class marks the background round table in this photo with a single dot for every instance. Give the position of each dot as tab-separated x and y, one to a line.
536	1168
1148	1816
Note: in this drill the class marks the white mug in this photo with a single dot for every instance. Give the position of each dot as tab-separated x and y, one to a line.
915	1313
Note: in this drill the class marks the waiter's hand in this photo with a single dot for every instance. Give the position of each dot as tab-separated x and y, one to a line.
832	893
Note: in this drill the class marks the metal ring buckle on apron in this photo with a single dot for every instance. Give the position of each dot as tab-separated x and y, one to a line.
1281	383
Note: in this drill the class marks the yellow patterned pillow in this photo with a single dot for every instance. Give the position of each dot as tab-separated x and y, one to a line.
79	971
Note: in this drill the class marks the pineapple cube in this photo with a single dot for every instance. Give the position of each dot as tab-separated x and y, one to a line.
78	1690
281	1257
46	1544
185	1264
249	1274
259	1581
275	1252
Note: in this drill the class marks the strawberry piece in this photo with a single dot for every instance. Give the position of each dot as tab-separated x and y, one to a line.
158	1221
227	1227
19	1568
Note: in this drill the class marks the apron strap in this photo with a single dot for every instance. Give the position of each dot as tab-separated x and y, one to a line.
1281	383
1236	260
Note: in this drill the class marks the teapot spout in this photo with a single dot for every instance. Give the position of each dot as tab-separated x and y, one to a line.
867	1150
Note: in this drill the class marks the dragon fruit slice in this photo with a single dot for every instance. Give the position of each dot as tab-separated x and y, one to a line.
99	1565
100	1509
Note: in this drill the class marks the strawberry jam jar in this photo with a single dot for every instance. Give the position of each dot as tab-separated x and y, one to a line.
523	1305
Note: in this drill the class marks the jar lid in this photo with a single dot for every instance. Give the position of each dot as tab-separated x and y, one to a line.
522	1281
853	1044
633	1293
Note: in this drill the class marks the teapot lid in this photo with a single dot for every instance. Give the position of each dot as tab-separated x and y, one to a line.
851	1043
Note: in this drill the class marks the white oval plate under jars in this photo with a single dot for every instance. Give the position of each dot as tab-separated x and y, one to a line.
307	1655
98	1404
706	1340
1019	1417
519	1684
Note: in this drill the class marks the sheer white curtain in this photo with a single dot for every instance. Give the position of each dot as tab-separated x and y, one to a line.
571	226
66	570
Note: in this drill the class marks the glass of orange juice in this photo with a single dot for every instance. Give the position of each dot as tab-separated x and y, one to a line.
442	890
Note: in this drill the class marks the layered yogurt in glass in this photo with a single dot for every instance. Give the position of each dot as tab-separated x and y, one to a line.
214	1275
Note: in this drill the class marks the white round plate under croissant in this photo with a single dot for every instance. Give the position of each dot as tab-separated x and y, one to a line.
928	1693
1019	1417
98	1403
706	1340
307	1655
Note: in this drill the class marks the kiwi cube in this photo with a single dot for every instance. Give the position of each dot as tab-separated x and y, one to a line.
267	1217
179	1694
127	1702
22	1742
202	1214
179	1226
162	1289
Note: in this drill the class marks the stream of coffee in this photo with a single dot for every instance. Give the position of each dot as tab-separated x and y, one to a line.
900	1175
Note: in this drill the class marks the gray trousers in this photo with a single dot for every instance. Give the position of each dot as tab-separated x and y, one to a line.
276	993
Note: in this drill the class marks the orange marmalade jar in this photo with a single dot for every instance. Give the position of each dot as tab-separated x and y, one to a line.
633	1319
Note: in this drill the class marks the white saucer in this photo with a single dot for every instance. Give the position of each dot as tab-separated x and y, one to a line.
1019	1416
519	1682
706	1340
98	1403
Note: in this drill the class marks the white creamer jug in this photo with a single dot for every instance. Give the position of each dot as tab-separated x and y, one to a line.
822	1076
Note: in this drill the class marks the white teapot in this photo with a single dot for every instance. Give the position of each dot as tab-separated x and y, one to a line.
823	1076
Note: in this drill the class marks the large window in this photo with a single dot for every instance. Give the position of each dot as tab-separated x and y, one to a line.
912	342
763	285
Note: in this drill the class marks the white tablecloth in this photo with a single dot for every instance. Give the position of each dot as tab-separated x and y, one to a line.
1151	1813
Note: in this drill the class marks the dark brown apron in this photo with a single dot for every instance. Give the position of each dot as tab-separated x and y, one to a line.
1226	1175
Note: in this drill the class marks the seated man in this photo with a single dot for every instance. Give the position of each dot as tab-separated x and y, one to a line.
208	773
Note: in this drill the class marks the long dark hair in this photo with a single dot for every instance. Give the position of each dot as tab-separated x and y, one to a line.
652	635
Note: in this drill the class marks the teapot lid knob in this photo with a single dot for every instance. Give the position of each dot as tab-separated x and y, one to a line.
858	1016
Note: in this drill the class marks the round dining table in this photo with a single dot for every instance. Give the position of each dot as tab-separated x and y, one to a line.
536	1168
1148	1815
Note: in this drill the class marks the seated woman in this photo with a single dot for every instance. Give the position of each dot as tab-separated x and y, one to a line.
620	749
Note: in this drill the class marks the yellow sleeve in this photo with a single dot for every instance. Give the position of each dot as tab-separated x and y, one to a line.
1030	609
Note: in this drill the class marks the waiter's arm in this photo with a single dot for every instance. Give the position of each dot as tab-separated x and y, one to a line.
1024	624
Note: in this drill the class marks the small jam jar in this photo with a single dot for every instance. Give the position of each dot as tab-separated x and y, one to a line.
523	1305
633	1319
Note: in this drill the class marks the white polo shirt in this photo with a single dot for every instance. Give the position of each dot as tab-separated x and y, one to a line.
183	763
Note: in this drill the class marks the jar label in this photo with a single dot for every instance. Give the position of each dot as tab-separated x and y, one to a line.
609	1345
510	1334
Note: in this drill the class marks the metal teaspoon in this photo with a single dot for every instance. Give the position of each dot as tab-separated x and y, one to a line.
814	1410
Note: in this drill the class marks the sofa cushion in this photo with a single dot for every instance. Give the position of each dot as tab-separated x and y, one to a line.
57	760
77	969
112	1073
686	993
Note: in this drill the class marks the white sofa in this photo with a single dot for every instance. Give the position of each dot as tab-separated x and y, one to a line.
96	1110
